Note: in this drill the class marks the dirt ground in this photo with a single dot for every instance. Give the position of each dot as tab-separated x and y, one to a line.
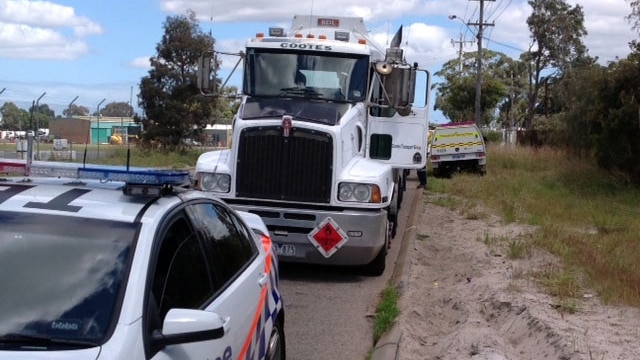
463	298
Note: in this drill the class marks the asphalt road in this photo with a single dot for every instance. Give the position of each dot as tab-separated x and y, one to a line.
329	310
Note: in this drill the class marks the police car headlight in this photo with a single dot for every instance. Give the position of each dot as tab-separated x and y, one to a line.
215	182
354	192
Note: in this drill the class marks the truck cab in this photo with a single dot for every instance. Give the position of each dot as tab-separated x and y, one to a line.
325	129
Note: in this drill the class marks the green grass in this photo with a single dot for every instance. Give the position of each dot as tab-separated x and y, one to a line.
386	313
586	216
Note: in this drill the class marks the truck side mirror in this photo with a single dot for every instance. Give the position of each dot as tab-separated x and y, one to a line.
205	83
400	85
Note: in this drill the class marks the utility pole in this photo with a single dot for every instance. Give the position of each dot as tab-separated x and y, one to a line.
480	24
69	108
460	44
98	114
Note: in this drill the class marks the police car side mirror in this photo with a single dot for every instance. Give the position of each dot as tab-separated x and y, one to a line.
182	326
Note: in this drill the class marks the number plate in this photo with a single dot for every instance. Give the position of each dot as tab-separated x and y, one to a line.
286	250
458	156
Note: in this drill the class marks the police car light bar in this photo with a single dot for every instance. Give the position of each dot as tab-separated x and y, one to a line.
146	176
13	167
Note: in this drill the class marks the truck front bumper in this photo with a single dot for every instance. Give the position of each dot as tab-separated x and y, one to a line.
365	233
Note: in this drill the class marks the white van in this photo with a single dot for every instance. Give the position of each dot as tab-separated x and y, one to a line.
457	147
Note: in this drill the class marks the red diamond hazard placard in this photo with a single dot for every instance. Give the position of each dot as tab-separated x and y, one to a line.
327	237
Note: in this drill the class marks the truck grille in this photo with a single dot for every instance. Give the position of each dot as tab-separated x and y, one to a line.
294	168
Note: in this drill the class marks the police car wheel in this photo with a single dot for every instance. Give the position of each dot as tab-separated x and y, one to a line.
276	349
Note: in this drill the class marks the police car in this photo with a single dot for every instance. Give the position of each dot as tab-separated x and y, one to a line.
111	263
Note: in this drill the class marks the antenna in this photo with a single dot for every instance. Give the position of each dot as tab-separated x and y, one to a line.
311	15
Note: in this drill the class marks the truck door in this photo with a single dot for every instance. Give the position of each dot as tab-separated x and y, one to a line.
398	122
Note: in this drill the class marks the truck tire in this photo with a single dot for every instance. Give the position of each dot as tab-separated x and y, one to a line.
401	188
376	266
392	212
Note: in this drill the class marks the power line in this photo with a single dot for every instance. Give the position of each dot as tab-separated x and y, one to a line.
460	43
480	24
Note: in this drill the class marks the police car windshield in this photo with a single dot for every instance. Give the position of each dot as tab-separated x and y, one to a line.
62	276
306	74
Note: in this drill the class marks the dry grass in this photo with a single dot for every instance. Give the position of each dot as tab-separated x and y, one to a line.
586	216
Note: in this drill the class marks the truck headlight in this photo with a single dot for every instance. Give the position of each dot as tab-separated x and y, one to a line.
215	182
355	192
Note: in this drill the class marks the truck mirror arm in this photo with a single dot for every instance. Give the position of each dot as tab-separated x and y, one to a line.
206	85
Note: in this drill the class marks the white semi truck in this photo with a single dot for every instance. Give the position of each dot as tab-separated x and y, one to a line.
325	134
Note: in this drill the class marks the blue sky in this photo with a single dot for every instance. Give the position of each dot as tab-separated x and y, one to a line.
99	49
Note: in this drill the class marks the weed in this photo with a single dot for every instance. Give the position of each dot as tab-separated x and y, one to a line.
386	313
518	249
585	215
560	281
422	237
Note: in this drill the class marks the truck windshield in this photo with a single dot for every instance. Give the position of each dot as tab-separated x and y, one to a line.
313	75
62	277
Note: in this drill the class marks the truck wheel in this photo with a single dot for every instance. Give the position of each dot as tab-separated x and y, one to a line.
393	224
392	212
401	189
376	266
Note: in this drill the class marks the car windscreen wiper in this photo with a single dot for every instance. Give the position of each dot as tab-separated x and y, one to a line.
21	340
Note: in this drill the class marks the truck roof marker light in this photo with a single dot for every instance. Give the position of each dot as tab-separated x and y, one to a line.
341	36
276	31
362	41
322	37
298	35
259	35
310	36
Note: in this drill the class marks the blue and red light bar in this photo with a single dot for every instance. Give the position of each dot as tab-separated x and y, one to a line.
146	176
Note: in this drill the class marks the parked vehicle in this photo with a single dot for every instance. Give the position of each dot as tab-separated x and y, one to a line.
129	263
325	131
457	147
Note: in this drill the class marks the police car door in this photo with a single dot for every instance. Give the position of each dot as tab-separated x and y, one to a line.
398	115
218	269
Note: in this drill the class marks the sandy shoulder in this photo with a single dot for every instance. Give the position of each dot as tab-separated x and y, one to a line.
464	299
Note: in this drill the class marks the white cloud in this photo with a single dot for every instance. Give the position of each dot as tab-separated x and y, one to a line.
141	62
283	10
35	30
608	30
25	42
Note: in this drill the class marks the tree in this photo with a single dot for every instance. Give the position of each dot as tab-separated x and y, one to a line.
39	116
514	105
614	126
556	33
226	106
75	110
456	96
171	101
117	109
634	17
14	118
